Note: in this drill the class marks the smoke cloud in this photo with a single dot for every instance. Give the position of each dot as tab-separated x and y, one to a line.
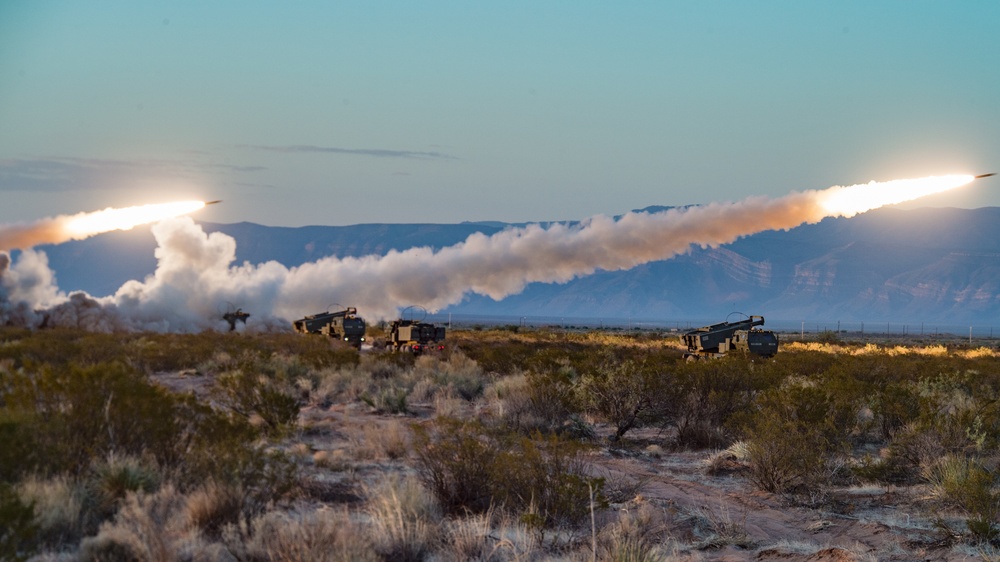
196	272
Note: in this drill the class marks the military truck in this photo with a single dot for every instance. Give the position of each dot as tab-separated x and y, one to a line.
343	325
416	337
719	339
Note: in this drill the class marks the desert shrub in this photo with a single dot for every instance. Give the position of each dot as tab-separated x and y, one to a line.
459	373
511	405
497	359
625	392
174	352
456	461
893	405
390	399
447	404
784	454
17	433
963	407
890	469
62	347
507	356
702	397
57	419
382	370
18	529
265	477
60	418
796	428
110	480
470	469
957	414
316	352
804	363
551	394
966	483
248	393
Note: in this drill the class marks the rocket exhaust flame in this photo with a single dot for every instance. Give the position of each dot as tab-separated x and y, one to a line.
496	266
84	225
849	201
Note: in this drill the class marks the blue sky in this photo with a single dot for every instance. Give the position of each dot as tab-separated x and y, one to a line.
335	113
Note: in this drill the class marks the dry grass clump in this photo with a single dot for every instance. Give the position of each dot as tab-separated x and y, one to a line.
931	350
813	346
213	506
337	460
977	353
58	504
490	536
732	458
637	536
619	340
320	536
447	404
405	519
147	528
718	527
378	440
512	403
340	384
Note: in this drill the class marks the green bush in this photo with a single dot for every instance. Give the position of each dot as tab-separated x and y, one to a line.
784	455
706	395
551	396
248	393
627	393
62	417
387	400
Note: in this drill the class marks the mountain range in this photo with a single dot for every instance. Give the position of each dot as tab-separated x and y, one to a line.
938	265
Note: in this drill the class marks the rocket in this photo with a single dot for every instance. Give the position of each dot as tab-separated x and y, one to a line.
220	200
977	177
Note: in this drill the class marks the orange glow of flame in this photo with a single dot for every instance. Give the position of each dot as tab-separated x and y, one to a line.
87	224
849	201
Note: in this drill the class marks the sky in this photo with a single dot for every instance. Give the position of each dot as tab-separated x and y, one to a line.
337	113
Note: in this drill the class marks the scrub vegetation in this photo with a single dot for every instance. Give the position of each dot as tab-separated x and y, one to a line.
510	445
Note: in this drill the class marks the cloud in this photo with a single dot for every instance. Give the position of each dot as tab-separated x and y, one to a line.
376	152
63	173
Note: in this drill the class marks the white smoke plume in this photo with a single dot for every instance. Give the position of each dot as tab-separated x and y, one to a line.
196	271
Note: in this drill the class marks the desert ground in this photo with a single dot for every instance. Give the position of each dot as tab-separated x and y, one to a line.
511	444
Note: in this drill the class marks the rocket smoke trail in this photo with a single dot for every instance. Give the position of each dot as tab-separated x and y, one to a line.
195	271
